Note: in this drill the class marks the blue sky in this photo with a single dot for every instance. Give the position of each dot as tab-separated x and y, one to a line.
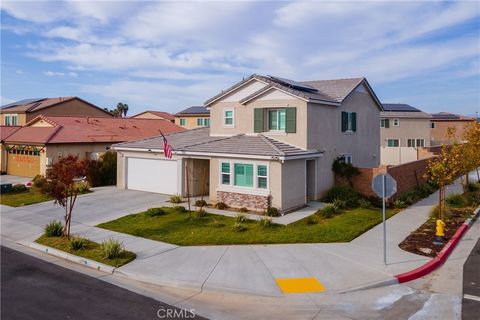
170	55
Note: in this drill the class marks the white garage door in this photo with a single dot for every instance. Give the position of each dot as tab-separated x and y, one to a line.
152	175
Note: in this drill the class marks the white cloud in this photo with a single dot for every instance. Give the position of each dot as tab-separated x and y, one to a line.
60	74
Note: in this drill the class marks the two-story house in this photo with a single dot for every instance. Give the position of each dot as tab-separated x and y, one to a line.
193	117
403	130
271	142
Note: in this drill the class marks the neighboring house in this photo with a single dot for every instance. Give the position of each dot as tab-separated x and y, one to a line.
403	130
193	117
439	124
5	132
30	149
271	142
20	112
155	115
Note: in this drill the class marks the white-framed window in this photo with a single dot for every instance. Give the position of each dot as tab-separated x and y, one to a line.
203	122
384	123
7	121
393	143
225	173
183	121
414	143
244	174
432	125
228	118
277	119
349	122
11	120
396	122
347	158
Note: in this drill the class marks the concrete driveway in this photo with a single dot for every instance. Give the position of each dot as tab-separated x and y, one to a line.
14	179
104	204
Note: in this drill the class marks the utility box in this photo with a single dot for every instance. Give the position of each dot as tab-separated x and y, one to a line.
6	188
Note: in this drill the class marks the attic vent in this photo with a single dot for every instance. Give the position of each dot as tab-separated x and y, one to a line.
135	126
77	121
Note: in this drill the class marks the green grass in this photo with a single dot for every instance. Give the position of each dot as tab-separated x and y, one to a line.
91	251
182	229
19	199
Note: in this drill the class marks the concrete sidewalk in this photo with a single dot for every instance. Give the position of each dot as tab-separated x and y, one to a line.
250	269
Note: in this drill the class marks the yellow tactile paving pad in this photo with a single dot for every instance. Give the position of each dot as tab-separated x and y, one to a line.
299	285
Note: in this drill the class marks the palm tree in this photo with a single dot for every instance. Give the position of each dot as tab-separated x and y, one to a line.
122	109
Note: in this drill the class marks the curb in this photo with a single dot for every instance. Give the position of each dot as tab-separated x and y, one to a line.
442	256
73	258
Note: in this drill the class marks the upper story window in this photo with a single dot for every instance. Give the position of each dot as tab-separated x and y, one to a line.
393	143
415	143
228	120
11	120
396	122
276	119
203	122
384	123
349	121
182	122
432	125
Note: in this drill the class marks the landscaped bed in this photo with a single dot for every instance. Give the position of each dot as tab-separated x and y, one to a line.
458	209
188	229
30	196
91	250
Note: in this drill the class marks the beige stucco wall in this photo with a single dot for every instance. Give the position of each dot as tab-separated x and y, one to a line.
407	129
148	115
394	155
190	122
439	133
243	119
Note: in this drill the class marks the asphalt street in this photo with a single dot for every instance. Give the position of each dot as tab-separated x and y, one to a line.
471	285
34	289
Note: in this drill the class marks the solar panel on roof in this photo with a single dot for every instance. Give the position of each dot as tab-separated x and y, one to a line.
293	84
21	102
399	107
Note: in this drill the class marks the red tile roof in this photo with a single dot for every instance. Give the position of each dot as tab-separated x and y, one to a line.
91	129
5	131
162	114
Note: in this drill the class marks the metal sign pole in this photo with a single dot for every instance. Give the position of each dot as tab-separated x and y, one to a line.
384	223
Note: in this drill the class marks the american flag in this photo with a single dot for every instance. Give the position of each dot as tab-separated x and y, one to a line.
167	148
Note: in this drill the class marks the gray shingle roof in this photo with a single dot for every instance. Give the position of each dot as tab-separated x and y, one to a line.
194	110
405	114
199	140
333	91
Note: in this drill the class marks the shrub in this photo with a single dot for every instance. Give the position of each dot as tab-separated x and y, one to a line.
328	211
102	172
346	194
19	188
265	222
111	248
455	201
375	201
77	243
153	212
82	187
241	217
200	213
243	209
399	204
39	181
472	187
239	227
176	198
339	204
217	224
200	203
364	204
180	209
221	206
54	229
311	220
272	212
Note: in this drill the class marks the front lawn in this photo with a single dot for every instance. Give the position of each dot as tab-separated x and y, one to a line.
186	230
91	251
18	199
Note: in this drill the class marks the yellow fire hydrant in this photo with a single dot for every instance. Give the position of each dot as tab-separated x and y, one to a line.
440	230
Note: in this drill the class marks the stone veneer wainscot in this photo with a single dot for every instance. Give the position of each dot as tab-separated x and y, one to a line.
239	200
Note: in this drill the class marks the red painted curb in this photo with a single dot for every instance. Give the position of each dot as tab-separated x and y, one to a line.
435	262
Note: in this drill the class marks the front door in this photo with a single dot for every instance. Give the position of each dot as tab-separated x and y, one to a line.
310	181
